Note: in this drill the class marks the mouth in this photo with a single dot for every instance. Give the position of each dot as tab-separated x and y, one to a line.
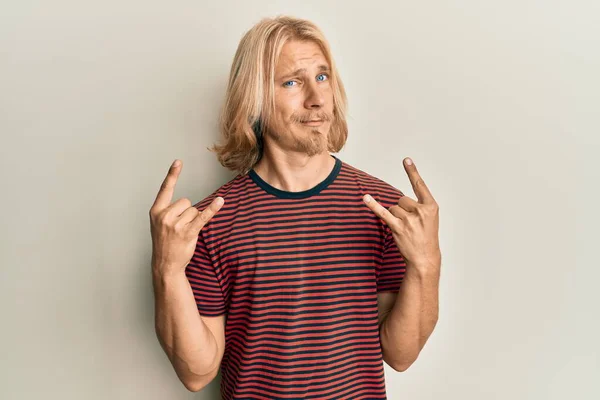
314	122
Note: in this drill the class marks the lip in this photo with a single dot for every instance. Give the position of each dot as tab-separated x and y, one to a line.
313	123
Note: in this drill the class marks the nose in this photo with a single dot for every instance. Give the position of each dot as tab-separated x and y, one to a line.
314	96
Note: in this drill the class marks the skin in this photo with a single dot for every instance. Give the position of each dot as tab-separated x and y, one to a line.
175	226
408	318
193	344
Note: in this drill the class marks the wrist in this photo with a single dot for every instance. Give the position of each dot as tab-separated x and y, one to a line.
423	270
165	272
428	262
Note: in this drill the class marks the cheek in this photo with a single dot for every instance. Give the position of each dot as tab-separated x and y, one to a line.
285	107
288	111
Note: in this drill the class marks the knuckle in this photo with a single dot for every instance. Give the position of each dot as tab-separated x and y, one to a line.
382	211
204	216
176	226
189	233
429	209
179	227
186	201
182	202
165	215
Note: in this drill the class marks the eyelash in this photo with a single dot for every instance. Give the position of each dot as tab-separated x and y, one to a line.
284	83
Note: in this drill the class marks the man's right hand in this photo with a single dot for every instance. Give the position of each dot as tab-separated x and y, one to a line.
175	227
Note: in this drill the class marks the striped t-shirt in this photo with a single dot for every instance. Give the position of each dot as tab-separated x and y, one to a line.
298	274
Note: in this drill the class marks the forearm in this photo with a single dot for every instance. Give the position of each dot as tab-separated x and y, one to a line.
413	317
187	341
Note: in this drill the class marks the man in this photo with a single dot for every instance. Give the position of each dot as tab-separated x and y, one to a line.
288	277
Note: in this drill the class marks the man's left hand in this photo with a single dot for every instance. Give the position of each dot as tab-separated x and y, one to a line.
414	225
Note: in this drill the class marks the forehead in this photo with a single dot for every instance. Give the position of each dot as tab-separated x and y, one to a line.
299	53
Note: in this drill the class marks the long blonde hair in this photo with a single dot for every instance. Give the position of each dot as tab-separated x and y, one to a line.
250	102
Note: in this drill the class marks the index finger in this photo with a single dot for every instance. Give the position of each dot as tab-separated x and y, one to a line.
165	193
421	190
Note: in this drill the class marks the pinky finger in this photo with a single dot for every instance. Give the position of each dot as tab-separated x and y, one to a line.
379	210
206	215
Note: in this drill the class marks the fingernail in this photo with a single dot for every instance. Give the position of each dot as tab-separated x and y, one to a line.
367	198
219	201
408	161
176	163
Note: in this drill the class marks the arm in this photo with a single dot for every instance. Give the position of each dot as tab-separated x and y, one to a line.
414	314
194	344
414	225
186	339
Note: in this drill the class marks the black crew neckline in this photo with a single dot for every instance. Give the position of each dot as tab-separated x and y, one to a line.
284	194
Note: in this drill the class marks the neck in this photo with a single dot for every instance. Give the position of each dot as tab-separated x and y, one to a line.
294	172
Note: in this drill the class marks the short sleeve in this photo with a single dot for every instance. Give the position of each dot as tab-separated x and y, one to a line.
390	272
205	283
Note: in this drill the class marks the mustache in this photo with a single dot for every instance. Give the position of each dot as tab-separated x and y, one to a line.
305	118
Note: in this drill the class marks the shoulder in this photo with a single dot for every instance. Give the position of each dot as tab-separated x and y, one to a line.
385	193
232	187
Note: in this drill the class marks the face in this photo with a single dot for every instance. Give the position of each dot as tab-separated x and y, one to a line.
303	100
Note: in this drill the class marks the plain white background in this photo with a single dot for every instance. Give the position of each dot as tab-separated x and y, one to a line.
497	102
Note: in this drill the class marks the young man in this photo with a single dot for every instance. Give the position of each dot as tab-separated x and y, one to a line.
287	278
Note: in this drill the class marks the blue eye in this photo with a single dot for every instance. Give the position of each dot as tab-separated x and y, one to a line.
326	76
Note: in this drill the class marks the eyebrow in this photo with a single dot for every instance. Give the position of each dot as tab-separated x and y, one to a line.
299	71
